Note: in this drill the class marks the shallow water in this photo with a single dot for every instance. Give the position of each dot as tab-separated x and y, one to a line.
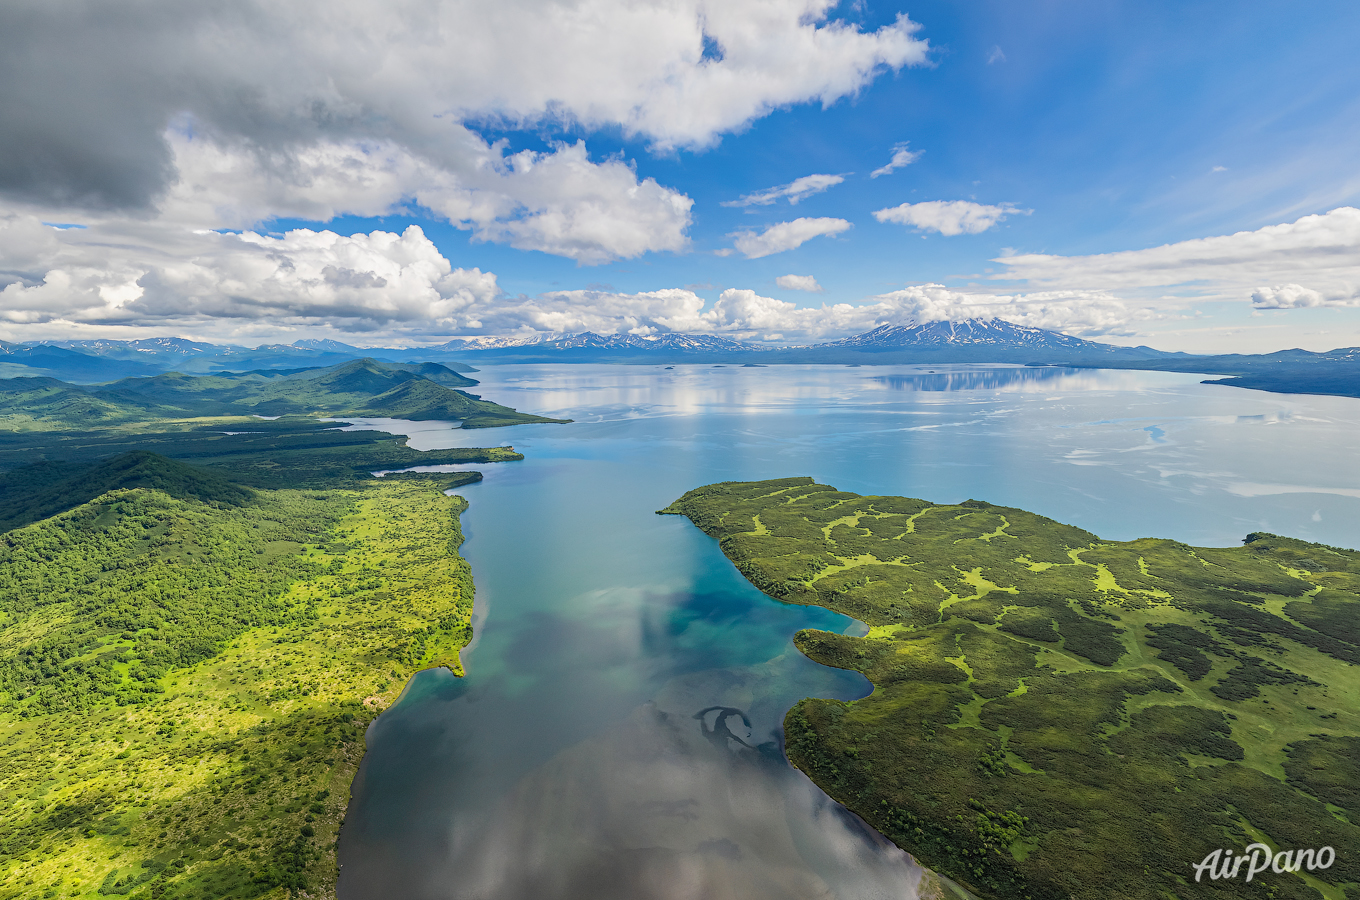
617	732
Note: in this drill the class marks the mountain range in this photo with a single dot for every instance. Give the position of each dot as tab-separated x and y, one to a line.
968	341
975	340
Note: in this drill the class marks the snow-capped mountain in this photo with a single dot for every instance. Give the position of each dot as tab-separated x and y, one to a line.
982	340
494	342
326	346
548	344
974	332
691	343
973	340
143	348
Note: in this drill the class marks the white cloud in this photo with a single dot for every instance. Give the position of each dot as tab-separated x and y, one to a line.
155	276
794	191
559	202
1314	261
786	235
1296	296
901	157
603	312
325	108
996	55
745	314
948	217
799	283
150	278
1072	312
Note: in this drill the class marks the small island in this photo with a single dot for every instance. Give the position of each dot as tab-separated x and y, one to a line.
1058	716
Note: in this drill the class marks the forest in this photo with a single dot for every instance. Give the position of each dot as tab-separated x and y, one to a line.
188	669
1058	716
205	598
294	451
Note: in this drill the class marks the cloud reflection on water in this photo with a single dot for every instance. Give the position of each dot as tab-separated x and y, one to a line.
666	805
991	378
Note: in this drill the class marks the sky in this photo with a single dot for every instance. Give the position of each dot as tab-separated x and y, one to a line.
1180	175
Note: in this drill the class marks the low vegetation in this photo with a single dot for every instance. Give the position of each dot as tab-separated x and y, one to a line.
188	667
1059	716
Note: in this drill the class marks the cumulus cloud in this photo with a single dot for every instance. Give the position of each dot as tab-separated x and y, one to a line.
559	201
1314	261
360	107
160	277
147	278
901	157
1072	312
1296	296
794	191
786	235
799	283
748	315
948	217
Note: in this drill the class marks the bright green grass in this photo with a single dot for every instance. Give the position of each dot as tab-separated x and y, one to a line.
1057	716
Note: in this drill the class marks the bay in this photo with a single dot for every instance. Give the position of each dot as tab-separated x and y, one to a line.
617	732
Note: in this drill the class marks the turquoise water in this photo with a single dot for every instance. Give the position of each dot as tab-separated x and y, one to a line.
617	732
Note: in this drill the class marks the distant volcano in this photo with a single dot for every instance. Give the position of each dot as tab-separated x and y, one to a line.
980	340
993	332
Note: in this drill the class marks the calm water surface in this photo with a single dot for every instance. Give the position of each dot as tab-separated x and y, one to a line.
617	733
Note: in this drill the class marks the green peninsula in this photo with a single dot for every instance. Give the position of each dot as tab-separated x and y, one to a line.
1058	716
362	387
262	429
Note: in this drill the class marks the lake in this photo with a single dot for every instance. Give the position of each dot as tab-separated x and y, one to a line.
617	734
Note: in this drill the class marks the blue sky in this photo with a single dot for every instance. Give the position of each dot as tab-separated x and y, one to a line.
1089	129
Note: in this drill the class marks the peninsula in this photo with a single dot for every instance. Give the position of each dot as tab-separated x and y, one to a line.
1058	716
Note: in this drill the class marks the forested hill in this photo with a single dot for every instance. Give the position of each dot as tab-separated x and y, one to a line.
37	492
1059	716
205	598
362	387
185	681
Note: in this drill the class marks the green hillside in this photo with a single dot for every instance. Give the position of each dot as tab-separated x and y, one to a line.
185	685
205	598
1058	716
362	387
30	402
447	375
37	492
